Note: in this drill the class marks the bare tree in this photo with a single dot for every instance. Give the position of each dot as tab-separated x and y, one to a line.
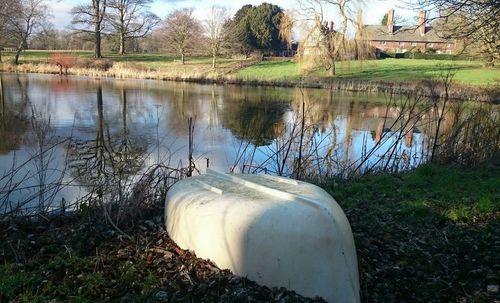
475	22
89	18
216	31
326	41
8	9
181	31
26	18
131	19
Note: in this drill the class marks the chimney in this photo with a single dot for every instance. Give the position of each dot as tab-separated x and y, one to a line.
421	22
390	21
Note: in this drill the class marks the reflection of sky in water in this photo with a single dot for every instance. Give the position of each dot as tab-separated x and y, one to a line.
153	115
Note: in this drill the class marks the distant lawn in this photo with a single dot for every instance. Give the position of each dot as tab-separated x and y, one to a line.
468	72
150	60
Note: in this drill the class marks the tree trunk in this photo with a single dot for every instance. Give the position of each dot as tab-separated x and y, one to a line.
2	101
331	71
18	52
122	43
97	52
213	61
182	58
0	54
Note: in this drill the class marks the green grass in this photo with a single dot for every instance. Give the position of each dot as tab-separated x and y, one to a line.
468	72
14	278
429	193
144	59
427	235
271	70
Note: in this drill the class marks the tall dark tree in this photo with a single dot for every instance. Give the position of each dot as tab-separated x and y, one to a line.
89	18
397	19
256	28
239	38
130	19
384	19
264	24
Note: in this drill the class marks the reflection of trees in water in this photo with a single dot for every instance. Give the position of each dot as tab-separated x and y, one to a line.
63	84
13	120
106	164
184	104
258	119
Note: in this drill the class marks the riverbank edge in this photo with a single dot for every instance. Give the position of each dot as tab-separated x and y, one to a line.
410	229
425	88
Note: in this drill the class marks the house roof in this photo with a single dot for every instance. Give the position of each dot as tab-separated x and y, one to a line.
402	34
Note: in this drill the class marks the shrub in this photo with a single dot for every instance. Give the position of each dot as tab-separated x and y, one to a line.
63	61
434	56
386	54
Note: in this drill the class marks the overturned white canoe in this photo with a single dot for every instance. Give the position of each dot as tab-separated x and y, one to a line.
276	231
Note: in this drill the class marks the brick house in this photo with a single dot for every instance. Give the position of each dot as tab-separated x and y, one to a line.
401	39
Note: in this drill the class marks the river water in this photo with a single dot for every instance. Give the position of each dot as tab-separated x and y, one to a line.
62	129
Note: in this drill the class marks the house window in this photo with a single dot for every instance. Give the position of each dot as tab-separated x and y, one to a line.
383	42
431	44
449	45
401	43
414	44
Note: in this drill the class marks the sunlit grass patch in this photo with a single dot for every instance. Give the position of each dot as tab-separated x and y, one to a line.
466	72
429	192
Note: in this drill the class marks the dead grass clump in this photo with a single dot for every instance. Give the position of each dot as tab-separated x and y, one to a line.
97	64
135	67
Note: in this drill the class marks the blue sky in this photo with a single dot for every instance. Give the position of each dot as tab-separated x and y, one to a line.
373	11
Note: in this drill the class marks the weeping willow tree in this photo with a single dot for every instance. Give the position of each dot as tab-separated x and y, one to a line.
287	24
326	42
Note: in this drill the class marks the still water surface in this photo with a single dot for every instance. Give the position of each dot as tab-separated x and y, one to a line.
141	122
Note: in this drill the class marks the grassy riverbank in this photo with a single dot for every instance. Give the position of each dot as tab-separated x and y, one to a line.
160	66
429	235
397	70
